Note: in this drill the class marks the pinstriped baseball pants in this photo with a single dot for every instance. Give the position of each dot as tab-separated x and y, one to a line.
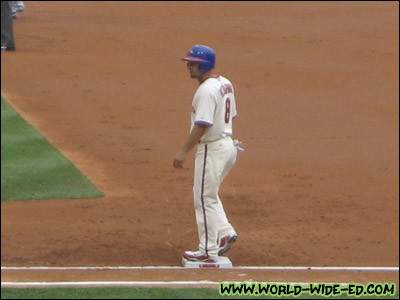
213	162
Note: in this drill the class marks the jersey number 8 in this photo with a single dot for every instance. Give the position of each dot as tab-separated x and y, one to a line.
227	110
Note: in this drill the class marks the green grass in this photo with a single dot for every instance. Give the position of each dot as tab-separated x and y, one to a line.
141	293
31	168
108	293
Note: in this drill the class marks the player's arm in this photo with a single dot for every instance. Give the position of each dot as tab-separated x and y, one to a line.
193	139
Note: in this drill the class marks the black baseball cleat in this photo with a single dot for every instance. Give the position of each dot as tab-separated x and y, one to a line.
5	48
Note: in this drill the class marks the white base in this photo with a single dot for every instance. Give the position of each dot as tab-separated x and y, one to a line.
222	263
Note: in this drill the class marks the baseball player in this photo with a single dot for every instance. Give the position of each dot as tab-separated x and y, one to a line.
213	109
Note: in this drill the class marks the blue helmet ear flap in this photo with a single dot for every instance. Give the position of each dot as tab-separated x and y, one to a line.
204	55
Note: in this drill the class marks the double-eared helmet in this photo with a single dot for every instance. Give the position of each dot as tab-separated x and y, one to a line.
203	55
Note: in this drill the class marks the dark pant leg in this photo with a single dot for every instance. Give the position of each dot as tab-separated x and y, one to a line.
7	32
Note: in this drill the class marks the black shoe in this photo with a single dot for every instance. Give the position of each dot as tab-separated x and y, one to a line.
5	48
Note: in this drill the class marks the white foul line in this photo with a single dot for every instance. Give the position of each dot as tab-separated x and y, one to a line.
166	283
381	269
104	283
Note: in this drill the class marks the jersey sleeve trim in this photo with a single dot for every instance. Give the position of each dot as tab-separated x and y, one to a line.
203	123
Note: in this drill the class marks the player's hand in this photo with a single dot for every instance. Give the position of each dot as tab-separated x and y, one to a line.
179	159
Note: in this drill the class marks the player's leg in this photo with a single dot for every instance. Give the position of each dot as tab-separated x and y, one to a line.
7	31
226	233
205	192
224	226
213	163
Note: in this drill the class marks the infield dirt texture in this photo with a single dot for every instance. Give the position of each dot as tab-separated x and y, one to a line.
318	101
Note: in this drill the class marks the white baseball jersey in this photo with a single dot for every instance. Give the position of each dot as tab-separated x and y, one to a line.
214	106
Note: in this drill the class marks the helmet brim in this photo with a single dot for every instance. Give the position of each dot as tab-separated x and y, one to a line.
193	59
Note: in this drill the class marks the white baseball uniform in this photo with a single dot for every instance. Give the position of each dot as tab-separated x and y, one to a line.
214	106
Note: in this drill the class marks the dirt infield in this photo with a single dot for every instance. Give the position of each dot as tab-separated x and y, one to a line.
317	92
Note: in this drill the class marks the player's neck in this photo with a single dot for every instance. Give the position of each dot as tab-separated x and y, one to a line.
205	76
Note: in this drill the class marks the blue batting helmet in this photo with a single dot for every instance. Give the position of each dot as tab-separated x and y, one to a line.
204	55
